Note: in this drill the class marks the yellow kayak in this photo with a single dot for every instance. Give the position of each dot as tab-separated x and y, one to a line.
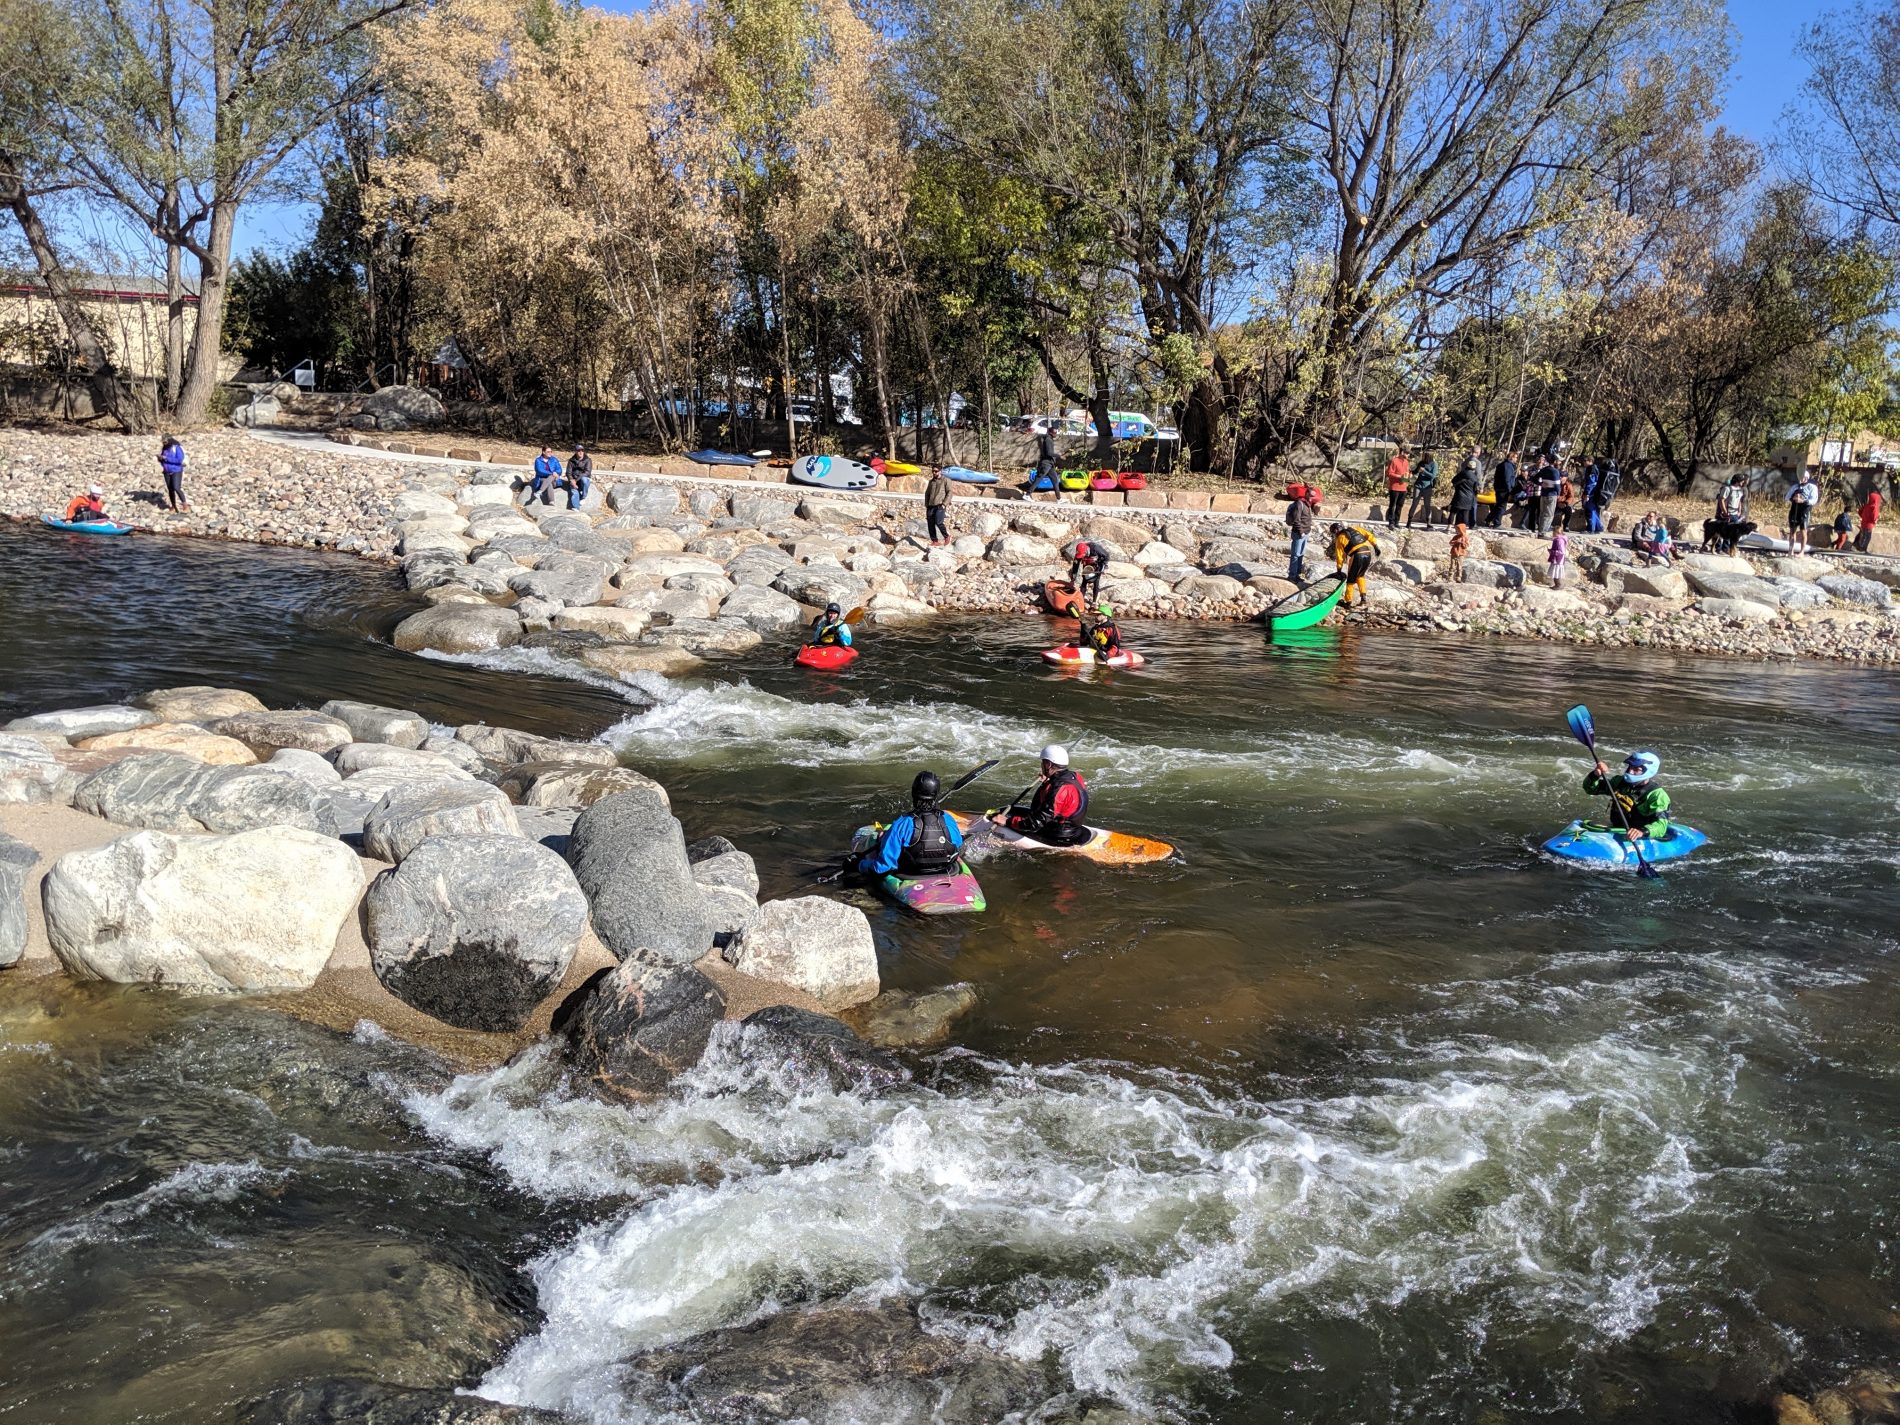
903	467
1108	848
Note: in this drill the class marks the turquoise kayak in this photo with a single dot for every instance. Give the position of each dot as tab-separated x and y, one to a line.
953	893
1589	843
85	526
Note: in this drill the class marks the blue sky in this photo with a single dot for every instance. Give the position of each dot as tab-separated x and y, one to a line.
1762	82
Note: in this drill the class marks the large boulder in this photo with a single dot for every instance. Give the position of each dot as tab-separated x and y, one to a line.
819	584
629	856
564	586
821	947
196	703
256	911
76	723
1726	586
1651	583
403	408
761	608
643	498
623	658
355	757
1800	594
157	790
899	1019
508	745
617	625
369	722
407	816
633	1027
29	772
1017	549
1737	611
475	930
265	732
703	636
459	628
236	799
188	739
561	784
1853	589
17	860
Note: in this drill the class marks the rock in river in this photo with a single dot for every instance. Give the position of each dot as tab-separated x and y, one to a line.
363	1402
409	815
459	628
197	703
635	1026
474	930
266	732
820	946
817	1048
629	855
368	722
255	911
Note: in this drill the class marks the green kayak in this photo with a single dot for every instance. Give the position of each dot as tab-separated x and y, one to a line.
1308	616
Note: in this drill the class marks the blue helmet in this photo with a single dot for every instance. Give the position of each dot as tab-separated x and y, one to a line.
1642	766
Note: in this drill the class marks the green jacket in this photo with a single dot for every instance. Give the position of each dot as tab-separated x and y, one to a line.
1645	806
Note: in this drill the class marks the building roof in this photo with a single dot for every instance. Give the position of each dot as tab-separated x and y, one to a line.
103	287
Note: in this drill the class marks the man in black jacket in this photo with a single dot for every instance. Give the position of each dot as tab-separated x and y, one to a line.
1503	488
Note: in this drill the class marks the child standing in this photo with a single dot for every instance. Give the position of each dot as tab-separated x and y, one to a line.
1460	547
1559	553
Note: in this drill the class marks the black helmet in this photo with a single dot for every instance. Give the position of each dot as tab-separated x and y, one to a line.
923	791
832	609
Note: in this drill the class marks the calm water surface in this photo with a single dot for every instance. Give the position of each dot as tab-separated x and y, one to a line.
1358	1111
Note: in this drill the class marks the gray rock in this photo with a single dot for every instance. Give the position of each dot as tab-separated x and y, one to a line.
403	818
256	911
758	566
403	408
818	585
708	847
643	498
633	1027
562	784
369	723
797	1364
508	745
196	703
708	504
1730	587
363	1402
459	628
149	789
560	586
629	856
448	745
898	1019
474	930
265	732
764	609
758	511
30	773
355	757
551	826
731	868
702	636
75	723
818	1049
1800	594
821	947
1853	589
17	861
244	798
317	770
1737	610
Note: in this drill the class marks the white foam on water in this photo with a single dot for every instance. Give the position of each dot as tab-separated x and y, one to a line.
1137	1220
195	1184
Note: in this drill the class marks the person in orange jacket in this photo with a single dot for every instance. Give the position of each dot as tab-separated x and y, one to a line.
89	508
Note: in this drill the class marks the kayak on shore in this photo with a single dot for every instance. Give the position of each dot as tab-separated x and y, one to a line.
824	655
1589	843
1063	601
952	893
1078	657
1306	615
85	526
1109	848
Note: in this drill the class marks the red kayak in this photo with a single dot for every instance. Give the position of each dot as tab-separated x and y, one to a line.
1061	599
1131	480
824	655
1069	653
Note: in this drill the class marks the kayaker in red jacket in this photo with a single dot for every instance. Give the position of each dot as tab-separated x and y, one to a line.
1057	803
88	508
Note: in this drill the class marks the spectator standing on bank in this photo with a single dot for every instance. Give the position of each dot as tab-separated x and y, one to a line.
1424	482
1803	496
1398	478
1299	524
1503	488
1869	517
171	461
936	507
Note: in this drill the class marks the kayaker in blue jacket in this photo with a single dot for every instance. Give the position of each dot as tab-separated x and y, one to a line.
1645	805
547	470
925	843
829	628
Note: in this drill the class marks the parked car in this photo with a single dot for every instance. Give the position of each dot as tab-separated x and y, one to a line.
1885	459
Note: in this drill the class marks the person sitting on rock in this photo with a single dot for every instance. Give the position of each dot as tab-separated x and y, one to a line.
89	508
1353	553
1643	805
829	628
547	470
1101	634
925	843
579	478
1092	557
1650	539
1057	804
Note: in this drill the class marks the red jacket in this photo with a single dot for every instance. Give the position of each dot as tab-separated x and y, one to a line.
85	508
1870	512
1398	475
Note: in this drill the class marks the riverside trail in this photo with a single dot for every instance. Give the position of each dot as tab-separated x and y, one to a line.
1357	1111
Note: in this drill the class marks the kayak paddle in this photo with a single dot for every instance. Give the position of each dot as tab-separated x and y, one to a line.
961	782
1584	729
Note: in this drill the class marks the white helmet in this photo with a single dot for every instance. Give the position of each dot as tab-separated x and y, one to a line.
95	489
1056	754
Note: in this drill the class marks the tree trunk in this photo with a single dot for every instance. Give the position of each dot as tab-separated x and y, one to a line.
174	303
107	388
214	271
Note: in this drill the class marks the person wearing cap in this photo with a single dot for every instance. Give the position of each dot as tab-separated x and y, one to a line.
89	508
547	470
1643	804
579	478
829	628
1091	557
925	843
1101	634
1057	803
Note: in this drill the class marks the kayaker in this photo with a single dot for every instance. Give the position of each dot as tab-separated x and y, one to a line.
1100	632
1057	803
1353	551
1645	806
171	463
829	628
1093	557
1299	524
89	508
925	843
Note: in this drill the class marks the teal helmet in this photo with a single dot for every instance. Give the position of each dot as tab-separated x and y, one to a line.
1641	766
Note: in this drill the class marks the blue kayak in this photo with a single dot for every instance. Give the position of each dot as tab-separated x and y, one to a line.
721	457
1590	843
85	526
970	477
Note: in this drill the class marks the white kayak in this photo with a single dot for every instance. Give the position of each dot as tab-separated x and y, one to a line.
1111	848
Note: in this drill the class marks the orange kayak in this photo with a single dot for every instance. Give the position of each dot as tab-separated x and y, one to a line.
1109	848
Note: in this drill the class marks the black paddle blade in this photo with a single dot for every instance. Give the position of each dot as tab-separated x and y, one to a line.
970	776
1646	869
1582	727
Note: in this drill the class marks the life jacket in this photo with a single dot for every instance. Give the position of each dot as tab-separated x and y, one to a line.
1104	637
85	509
929	852
1044	802
824	633
1359	542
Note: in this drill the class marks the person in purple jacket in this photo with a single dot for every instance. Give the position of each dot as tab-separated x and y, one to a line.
171	460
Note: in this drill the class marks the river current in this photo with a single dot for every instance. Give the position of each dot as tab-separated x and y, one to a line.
1359	1110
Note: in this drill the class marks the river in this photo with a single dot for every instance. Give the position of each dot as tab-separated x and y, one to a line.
1359	1110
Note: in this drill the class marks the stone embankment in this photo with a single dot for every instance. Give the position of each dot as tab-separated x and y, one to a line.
489	881
661	571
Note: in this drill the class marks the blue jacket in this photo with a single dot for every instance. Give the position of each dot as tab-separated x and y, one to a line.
546	467
172	459
841	628
883	858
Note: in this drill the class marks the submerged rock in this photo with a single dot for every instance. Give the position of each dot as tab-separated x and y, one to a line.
898	1019
818	1047
256	911
364	1402
633	1027
629	854
822	947
474	930
797	1365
